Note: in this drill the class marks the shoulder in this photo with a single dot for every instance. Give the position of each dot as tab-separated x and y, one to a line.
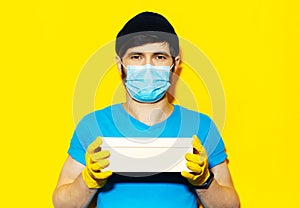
193	122
100	114
91	124
185	112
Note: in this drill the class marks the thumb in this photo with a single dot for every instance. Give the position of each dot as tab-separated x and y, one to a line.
95	145
197	146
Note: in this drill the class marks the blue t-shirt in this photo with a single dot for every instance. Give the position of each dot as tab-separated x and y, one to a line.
114	121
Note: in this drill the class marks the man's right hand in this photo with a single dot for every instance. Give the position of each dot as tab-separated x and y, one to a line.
96	160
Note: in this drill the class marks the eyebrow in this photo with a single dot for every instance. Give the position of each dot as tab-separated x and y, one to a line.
155	53
162	52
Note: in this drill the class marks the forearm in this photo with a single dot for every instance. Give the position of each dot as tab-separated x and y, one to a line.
218	196
73	195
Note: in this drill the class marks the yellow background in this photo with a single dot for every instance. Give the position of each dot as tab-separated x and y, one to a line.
254	46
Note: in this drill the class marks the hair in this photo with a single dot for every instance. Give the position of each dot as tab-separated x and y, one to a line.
142	38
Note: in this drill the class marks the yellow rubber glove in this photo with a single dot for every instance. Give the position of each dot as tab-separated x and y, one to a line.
96	160
197	163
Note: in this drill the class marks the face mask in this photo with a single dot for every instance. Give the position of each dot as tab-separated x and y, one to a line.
147	83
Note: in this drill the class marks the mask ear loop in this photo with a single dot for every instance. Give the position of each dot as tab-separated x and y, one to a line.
173	65
122	68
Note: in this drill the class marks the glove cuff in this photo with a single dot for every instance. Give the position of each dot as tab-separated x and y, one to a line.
207	182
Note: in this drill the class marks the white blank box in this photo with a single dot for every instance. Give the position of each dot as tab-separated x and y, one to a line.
147	154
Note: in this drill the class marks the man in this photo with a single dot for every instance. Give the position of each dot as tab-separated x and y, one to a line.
147	54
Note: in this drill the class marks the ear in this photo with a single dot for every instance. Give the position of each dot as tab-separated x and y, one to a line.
177	61
119	65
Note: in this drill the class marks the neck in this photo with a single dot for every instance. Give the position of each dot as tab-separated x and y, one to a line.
148	113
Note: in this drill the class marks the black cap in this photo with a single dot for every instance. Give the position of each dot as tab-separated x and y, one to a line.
148	21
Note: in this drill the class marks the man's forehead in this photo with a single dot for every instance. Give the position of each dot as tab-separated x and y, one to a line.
150	48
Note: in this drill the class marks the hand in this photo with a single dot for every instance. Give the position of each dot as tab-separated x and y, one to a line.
197	163
96	160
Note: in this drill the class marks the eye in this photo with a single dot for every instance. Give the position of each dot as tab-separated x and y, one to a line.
161	57
135	57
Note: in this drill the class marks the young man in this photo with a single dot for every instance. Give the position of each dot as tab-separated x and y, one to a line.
147	54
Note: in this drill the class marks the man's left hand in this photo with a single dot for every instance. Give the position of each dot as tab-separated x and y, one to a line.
197	163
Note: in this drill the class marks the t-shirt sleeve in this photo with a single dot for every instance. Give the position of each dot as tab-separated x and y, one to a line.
214	146
85	133
76	151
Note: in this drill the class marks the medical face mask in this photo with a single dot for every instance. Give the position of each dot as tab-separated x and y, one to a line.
147	83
